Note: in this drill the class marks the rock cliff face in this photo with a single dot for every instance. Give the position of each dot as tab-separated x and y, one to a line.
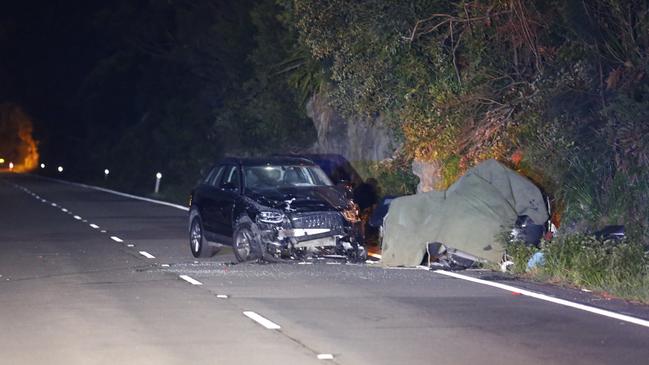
358	139
429	174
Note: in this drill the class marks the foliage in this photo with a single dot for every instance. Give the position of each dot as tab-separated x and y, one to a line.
564	83
519	252
393	177
617	267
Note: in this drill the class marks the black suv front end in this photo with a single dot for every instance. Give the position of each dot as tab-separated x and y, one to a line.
274	208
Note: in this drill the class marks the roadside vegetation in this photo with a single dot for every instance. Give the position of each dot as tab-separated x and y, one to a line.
610	268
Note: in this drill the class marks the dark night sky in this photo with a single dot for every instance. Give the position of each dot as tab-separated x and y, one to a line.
48	47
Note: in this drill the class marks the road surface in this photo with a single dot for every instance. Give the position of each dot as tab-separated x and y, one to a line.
89	277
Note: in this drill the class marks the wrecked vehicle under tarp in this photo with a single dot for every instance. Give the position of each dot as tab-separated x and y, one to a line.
469	216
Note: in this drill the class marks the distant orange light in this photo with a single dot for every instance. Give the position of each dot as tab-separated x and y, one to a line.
16	131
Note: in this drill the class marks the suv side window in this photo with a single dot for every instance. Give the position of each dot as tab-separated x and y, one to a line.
230	178
215	176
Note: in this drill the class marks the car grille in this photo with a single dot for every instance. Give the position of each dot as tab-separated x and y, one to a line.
331	220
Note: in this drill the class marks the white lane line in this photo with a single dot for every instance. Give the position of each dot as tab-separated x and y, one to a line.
586	308
164	265
116	239
77	217
103	231
190	280
261	320
93	225
54	205
222	296
130	245
325	357
64	210
147	255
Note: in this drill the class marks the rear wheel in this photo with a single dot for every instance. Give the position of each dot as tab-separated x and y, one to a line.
245	243
197	242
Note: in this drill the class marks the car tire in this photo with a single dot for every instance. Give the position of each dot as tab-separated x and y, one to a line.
245	243
197	242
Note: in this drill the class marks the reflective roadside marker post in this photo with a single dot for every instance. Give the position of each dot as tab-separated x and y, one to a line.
60	168
106	172
158	176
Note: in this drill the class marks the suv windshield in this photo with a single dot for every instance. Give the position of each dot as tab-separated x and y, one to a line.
271	177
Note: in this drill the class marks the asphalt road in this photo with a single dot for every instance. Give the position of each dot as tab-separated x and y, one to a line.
72	293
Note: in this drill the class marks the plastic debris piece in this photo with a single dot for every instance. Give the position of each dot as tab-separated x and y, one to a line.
538	259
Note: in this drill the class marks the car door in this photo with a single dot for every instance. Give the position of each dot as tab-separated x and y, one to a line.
229	191
209	194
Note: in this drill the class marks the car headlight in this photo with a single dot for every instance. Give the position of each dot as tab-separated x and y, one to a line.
351	213
271	217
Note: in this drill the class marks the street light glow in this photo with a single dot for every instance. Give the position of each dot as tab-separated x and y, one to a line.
42	166
60	168
158	176
11	165
2	160
106	171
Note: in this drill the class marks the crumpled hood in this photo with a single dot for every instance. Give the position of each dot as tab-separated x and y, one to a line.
302	199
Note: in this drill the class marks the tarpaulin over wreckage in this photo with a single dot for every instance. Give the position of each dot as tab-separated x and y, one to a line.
468	216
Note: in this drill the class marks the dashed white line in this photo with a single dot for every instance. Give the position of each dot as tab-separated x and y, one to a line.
93	225
190	280
54	205
261	320
64	210
147	255
130	245
103	231
77	217
325	357
116	239
602	312
222	296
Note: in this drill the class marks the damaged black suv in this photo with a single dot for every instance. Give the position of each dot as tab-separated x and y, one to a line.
271	209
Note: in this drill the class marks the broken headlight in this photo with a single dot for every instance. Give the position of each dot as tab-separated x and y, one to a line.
351	213
270	217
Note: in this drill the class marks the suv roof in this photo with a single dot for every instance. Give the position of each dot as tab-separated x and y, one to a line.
273	160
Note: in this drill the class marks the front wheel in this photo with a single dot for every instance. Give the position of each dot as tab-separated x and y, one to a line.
245	243
197	242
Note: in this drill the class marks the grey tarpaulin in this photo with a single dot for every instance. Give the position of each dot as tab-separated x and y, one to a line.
468	216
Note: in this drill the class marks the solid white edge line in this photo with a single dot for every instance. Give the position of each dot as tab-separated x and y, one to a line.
190	280
261	320
325	357
586	308
147	255
116	239
154	201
